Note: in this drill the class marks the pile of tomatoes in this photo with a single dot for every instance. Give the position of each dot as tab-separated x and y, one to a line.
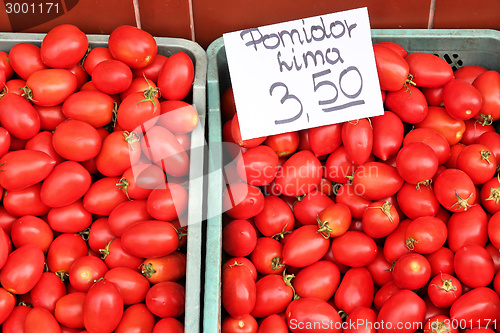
94	159
388	224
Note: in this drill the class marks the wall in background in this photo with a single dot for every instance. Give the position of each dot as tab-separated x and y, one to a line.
206	20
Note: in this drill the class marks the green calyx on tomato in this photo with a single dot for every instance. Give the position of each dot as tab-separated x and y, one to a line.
150	94
485	155
287	278
131	138
85	234
462	203
447	285
494	195
324	228
62	275
438	327
484	119
386	209
123	184
410	243
148	270
409	80
276	263
283	232
105	251
27	93
427	183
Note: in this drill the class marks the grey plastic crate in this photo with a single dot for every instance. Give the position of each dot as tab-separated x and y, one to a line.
457	47
167	47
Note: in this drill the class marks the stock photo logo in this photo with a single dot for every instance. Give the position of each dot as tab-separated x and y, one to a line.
27	14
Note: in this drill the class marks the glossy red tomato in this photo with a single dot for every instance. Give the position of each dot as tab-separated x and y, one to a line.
136	317
401	312
178	116
48	291
119	151
455	190
395	243
492	141
325	139
478	307
426	234
356	289
411	271
478	162
49	87
67	183
432	138
388	132
439	323
138	181
441	261
238	290
171	267
43	142
167	202
242	201
319	280
103	196
338	166
23	269
419	202
461	99
408	103
31	230
357	137
162	148
93	107
384	293
5	247
5	66
149	239
176	76
18	116
95	56
25	202
305	247
132	284
103	307
245	324
42	321
112	76
25	59
428	70
494	230
275	218
417	163
354	249
474	258
439	120
284	144
349	196
376	181
469	73
76	140
64	251
334	220
304	314
239	238
266	256
362	320
7	303
50	116
168	325
24	168
310	205
114	255
273	294
63	46
444	289
84	271
135	47
300	174
15	321
380	219
126	214
273	324
392	68
488	84
152	70
258	166
473	130
69	310
380	268
139	111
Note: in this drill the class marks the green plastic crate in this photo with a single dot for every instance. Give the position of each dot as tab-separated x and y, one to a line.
167	47
458	47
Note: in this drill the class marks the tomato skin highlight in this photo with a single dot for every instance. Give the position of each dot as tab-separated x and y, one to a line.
23	269
103	307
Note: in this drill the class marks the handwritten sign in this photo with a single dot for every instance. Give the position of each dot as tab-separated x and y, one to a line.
304	73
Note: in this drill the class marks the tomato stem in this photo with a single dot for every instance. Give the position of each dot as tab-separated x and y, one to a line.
276	263
386	208
131	138
281	234
494	195
427	183
62	275
27	93
123	184
410	243
343	315
105	251
287	278
447	284
485	155
324	228
462	203
148	270
85	234
484	119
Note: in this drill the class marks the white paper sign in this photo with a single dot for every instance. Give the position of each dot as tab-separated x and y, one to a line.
304	73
